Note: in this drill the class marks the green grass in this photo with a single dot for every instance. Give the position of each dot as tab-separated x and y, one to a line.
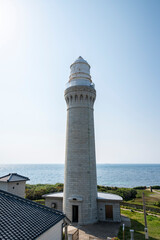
140	210
137	223
150	198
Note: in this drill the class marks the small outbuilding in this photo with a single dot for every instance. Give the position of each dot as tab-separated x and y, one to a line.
14	183
25	219
108	206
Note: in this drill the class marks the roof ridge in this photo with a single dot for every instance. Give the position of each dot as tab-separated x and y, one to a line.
10	177
4	176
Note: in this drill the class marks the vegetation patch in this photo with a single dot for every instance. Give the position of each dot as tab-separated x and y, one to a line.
130	196
156	187
137	223
157	204
152	199
140	187
35	192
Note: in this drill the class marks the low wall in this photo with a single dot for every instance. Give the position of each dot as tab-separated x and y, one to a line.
137	206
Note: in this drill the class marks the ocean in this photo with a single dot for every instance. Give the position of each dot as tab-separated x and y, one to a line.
119	175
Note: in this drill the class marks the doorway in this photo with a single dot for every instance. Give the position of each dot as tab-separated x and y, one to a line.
109	212
74	213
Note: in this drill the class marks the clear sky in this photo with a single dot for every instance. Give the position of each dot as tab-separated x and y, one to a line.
39	39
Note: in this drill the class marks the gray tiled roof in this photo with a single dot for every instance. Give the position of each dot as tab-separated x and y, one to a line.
22	219
13	177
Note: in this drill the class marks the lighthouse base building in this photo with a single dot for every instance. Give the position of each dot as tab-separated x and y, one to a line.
80	201
108	207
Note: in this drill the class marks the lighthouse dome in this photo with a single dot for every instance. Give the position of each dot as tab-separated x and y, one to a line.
80	60
80	74
80	69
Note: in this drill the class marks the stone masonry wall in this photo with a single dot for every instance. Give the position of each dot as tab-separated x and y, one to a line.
4	186
59	203
17	188
80	163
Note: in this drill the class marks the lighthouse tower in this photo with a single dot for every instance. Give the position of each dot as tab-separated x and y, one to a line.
80	183
80	200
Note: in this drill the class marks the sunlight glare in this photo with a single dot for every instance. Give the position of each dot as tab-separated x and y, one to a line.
8	21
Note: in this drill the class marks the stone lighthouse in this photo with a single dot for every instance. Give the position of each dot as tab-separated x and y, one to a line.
80	200
80	183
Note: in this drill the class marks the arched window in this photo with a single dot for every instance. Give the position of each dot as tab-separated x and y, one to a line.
81	97
67	100
76	98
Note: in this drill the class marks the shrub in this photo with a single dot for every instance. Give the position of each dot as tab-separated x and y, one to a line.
125	193
103	188
140	187
35	192
156	187
157	204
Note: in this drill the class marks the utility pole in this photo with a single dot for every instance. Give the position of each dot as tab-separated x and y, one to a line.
123	231
145	217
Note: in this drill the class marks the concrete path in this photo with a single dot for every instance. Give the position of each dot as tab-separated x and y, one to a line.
97	231
156	191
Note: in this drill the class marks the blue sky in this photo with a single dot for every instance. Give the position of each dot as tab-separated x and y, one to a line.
39	39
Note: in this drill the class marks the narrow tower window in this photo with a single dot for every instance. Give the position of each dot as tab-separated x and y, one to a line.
76	98
67	100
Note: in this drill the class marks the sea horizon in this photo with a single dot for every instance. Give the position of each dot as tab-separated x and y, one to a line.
119	175
64	163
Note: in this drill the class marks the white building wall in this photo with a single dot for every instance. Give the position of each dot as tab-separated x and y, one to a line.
102	212
17	188
117	212
54	233
4	186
